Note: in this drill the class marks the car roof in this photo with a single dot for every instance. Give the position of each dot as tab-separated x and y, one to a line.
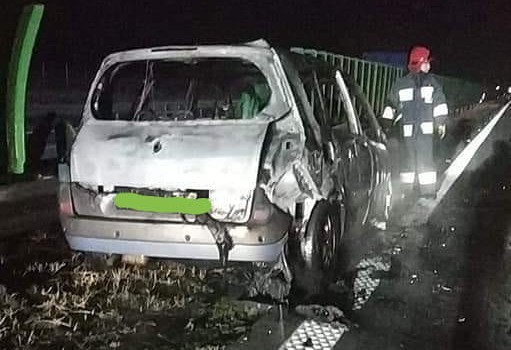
261	44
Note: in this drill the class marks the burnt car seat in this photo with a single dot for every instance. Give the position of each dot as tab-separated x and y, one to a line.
253	99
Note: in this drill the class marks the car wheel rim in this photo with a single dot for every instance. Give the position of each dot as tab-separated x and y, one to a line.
327	242
320	245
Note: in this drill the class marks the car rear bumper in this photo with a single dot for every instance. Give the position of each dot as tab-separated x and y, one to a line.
173	240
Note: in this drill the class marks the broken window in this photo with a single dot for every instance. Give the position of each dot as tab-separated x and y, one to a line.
366	116
208	88
334	105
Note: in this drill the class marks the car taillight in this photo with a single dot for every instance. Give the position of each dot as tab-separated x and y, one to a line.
66	208
262	209
65	200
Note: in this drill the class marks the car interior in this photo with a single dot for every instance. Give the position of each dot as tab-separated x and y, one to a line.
176	90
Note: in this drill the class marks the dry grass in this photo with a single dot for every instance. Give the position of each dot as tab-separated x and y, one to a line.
50	298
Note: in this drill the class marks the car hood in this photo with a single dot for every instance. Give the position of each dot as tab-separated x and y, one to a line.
172	156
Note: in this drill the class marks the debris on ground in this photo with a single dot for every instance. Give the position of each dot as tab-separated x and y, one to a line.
368	278
320	313
271	280
325	314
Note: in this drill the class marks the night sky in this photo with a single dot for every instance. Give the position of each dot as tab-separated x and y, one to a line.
469	38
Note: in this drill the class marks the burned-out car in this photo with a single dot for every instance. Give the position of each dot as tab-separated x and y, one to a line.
285	148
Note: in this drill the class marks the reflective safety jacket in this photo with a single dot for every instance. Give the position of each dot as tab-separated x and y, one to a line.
416	98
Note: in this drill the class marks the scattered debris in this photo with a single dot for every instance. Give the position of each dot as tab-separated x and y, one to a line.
396	250
320	313
308	343
414	279
446	289
438	288
272	280
366	281
379	225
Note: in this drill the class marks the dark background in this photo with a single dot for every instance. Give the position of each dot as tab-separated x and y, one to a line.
469	38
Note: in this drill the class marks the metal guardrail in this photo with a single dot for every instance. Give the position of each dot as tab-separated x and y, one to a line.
376	79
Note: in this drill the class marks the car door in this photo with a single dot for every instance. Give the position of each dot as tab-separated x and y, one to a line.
341	130
354	148
373	135
312	109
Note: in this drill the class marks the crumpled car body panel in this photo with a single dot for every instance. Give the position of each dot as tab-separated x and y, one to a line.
243	157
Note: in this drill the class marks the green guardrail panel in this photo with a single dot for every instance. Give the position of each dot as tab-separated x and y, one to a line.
376	80
19	66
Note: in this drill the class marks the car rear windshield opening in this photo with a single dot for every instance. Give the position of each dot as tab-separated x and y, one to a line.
181	90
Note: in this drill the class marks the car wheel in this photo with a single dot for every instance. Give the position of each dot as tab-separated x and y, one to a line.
316	265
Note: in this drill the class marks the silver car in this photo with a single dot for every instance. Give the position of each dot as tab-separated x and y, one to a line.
286	150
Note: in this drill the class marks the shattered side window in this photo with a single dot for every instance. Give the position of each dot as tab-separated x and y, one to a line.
366	116
162	90
334	106
309	83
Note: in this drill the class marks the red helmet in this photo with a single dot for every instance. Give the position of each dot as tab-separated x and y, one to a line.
418	56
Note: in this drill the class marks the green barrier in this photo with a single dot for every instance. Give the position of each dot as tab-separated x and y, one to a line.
376	80
17	85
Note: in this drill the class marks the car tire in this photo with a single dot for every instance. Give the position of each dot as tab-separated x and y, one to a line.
316	258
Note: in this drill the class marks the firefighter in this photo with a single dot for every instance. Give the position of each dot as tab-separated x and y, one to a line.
417	104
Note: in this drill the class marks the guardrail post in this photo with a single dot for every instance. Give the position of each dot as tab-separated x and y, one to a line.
19	66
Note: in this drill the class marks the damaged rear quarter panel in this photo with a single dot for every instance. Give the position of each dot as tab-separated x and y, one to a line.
291	178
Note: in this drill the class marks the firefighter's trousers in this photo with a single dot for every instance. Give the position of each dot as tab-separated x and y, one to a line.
417	161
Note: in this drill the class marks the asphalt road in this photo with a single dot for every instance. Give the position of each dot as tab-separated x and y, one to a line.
447	282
